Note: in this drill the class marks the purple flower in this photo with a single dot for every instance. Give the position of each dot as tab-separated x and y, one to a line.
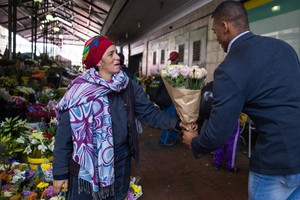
27	192
7	187
49	192
130	195
174	72
30	173
185	71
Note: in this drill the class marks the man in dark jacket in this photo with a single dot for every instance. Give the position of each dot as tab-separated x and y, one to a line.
124	67
260	76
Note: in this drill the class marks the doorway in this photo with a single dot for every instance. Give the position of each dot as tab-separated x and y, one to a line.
135	64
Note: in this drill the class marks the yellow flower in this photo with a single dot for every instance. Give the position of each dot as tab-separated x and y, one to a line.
36	135
136	189
45	166
42	185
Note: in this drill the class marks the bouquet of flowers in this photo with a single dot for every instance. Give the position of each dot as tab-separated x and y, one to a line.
184	85
135	191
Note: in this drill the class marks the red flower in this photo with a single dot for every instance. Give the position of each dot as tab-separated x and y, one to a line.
47	135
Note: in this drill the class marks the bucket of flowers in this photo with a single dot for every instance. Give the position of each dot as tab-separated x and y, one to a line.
39	144
184	85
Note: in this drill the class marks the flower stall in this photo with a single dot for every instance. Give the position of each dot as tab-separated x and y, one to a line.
20	181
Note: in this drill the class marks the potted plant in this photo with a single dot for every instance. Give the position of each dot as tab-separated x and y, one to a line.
25	75
39	144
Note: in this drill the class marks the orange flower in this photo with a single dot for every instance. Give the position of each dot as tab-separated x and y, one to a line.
15	197
3	175
38	75
33	196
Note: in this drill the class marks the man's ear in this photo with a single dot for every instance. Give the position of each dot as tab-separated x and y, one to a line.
225	27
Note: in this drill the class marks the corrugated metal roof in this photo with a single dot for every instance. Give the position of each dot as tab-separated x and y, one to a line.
77	20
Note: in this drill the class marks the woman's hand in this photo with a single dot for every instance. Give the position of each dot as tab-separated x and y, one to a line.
60	185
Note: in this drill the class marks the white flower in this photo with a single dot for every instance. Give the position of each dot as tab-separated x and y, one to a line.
34	141
42	147
51	145
20	140
28	149
15	164
26	90
17	171
203	72
19	177
198	73
8	194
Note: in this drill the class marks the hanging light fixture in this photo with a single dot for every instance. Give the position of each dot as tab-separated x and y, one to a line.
49	17
275	8
56	29
42	26
38	1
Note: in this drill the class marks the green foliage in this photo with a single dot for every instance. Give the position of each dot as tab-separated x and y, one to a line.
8	148
25	71
8	82
10	130
47	95
7	62
14	127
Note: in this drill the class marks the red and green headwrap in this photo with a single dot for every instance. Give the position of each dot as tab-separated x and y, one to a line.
94	49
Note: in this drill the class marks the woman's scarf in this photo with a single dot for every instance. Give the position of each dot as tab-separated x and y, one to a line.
91	125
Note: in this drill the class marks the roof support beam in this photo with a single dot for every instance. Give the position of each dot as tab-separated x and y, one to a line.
85	27
78	13
94	6
114	12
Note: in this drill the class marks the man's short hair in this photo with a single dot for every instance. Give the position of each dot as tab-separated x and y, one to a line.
121	58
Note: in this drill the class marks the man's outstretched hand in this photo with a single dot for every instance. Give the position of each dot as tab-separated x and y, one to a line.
187	137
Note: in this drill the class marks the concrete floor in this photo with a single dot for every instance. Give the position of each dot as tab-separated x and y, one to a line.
172	173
